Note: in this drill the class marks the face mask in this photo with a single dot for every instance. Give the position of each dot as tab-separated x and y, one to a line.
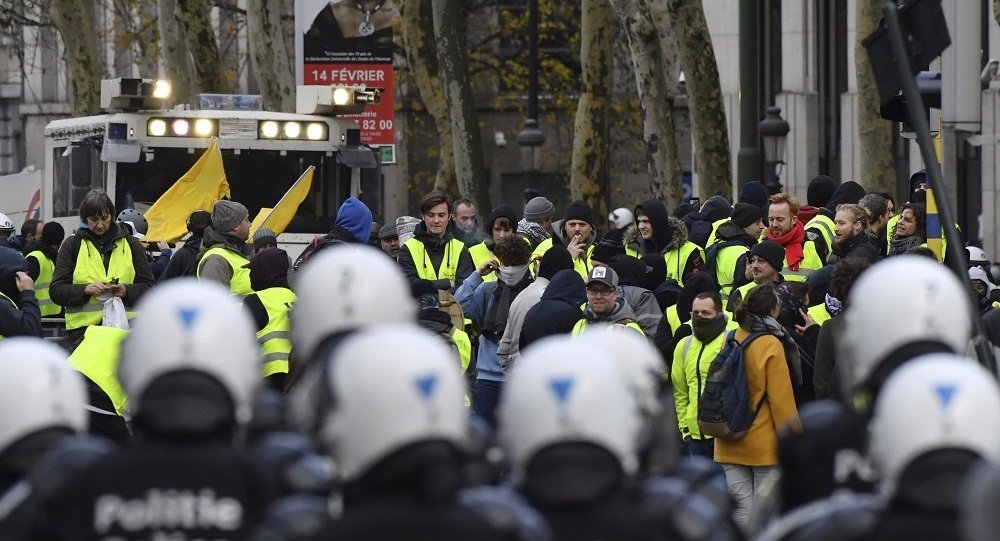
707	328
512	275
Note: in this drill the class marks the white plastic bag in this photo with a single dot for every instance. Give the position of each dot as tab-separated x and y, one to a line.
114	314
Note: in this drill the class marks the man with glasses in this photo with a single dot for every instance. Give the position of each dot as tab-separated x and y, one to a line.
605	303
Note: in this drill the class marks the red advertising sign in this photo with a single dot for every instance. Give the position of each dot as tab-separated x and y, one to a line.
350	42
377	120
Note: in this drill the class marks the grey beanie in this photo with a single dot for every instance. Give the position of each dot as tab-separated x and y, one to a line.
264	236
538	209
226	215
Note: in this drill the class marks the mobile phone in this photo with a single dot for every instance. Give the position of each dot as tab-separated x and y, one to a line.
696	201
113	282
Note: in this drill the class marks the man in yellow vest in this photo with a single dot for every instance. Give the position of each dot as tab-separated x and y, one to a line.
784	227
689	370
41	254
726	260
763	266
269	305
605	303
576	232
19	314
225	251
101	260
500	226
433	253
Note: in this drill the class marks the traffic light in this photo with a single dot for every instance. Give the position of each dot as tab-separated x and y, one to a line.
926	33
929	85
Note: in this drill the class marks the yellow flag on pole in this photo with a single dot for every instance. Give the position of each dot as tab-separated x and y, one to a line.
198	189
281	215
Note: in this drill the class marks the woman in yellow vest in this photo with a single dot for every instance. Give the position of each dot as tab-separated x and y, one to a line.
41	256
500	226
434	253
269	306
97	262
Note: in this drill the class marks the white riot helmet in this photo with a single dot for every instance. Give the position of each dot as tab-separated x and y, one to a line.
6	225
937	401
190	327
620	218
38	390
347	288
906	300
977	256
567	391
384	389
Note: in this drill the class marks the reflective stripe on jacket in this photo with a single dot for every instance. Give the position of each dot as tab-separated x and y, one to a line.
275	342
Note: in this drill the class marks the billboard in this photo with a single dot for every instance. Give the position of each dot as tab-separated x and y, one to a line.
350	42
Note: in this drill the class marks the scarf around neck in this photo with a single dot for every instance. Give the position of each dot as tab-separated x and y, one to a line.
792	241
767	324
503	295
901	245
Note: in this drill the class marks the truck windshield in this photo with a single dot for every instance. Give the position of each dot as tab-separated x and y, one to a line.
257	178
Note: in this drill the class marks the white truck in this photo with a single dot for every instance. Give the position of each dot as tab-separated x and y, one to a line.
137	154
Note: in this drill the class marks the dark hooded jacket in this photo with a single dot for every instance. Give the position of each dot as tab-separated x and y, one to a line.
861	246
558	310
699	224
435	248
659	221
21	316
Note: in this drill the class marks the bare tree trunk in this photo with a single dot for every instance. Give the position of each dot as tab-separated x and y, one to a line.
590	129
196	22
668	44
996	11
269	55
173	49
657	116
874	132
470	169
708	114
75	22
421	58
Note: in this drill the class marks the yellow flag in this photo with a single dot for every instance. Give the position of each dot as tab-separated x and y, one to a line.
198	189
281	215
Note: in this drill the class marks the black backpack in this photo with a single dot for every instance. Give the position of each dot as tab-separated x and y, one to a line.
315	246
712	254
724	407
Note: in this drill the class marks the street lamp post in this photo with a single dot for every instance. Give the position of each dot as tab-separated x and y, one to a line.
530	139
773	132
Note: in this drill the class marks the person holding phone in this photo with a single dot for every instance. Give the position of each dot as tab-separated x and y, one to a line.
19	311
101	260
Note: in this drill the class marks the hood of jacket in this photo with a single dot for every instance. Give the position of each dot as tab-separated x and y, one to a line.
212	238
715	209
566	286
559	233
729	231
679	234
698	282
807	213
356	218
34	245
631	271
847	192
12	262
659	220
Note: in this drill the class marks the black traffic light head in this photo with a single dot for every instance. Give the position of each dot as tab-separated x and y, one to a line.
929	85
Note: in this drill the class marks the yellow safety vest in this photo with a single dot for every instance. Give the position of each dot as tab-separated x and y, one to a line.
582	326
725	268
481	254
810	263
464	346
45	269
425	269
715	229
632	252
677	259
673	318
239	284
819	314
743	290
90	269
97	357
826	227
687	375
581	265
274	340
